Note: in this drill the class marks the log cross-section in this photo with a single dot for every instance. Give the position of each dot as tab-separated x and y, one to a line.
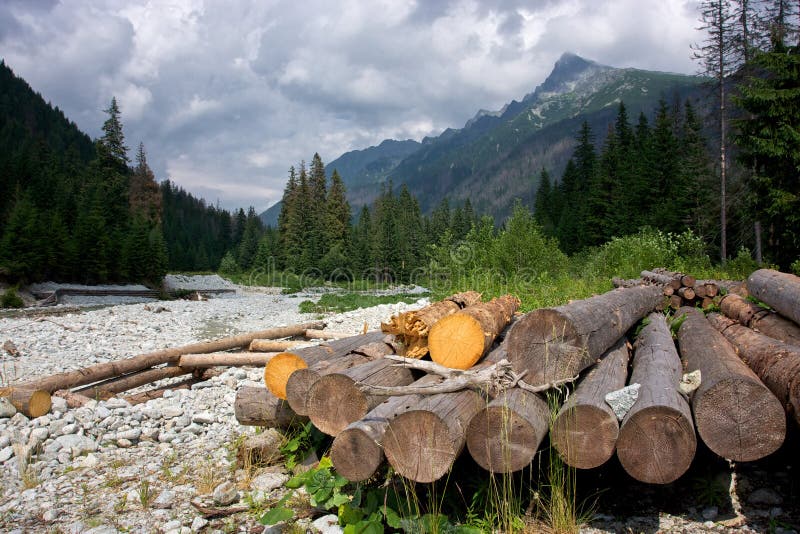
736	416
585	430
656	441
553	344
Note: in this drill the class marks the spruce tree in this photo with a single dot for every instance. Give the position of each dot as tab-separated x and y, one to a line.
543	202
113	140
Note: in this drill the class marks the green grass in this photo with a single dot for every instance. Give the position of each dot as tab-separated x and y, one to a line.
334	302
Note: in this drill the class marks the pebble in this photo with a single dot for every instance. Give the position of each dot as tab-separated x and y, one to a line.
327	524
203	418
198	523
165	499
49	515
101	412
171	411
225	494
6	408
710	513
267	482
6	453
89	461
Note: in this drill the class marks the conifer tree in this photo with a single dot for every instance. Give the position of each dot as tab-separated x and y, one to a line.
144	195
337	226
543	203
113	140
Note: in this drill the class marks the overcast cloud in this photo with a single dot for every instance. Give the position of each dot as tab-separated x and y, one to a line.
226	95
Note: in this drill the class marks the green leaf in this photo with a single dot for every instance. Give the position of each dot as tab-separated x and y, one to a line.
291	446
467	529
349	515
276	515
297	481
364	527
325	462
338	499
392	518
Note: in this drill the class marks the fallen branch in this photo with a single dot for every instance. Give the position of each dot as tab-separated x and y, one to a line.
211	512
493	378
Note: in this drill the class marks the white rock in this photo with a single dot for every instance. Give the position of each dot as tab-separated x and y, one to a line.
38	435
328	524
167	437
5	441
132	434
171	411
19	420
58	405
622	400
76	443
101	412
198	523
171	525
6	408
204	418
225	494
203	385
6	454
165	499
89	461
49	515
124	443
69	429
269	481
117	404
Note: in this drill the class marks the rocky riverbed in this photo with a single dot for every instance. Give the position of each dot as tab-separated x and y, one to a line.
111	467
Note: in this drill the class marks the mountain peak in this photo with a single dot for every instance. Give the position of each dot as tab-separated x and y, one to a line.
569	68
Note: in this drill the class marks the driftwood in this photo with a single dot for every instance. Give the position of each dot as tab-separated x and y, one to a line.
461	339
585	431
736	416
280	368
225	359
357	451
776	363
30	402
765	321
504	435
256	406
422	443
660	414
335	400
273	345
325	334
553	344
103	371
781	291
299	382
74	400
157	393
111	387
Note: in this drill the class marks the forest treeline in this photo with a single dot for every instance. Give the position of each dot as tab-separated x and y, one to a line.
76	210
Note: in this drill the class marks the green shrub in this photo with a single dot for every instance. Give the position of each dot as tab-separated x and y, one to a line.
10	299
228	264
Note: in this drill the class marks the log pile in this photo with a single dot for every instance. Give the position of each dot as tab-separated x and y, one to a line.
481	392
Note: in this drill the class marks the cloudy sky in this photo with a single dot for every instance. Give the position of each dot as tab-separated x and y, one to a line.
226	95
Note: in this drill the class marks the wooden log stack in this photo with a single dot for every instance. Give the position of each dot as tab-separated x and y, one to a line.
678	289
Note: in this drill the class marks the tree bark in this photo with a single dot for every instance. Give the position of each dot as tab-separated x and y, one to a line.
736	416
776	363
554	344
335	400
256	406
226	359
357	451
201	375
423	442
460	340
271	345
113	386
687	293
31	403
74	400
760	319
324	334
299	383
781	291
585	431
279	369
102	371
504	435
670	280
656	442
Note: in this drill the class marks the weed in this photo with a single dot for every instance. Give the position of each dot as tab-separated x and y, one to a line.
709	490
333	302
27	474
10	299
121	504
206	477
112	480
146	494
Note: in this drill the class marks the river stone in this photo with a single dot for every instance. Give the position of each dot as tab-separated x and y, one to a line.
225	494
165	499
101	412
6	408
267	482
327	524
76	443
765	496
6	454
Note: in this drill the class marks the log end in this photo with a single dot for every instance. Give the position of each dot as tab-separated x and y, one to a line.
545	344
334	402
39	403
279	369
585	436
456	341
355	455
297	387
754	428
656	445
419	447
502	441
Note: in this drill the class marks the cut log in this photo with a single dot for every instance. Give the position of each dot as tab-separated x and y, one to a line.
325	334
335	400
299	382
585	431
422	443
415	325
74	400
668	291
553	344
157	393
256	406
662	279
656	442
700	291
675	302
460	340
623	282
688	280
504	435
776	363
760	319
736	416
687	293
271	345
781	291
357	451
103	371
31	403
227	359
109	388
280	368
